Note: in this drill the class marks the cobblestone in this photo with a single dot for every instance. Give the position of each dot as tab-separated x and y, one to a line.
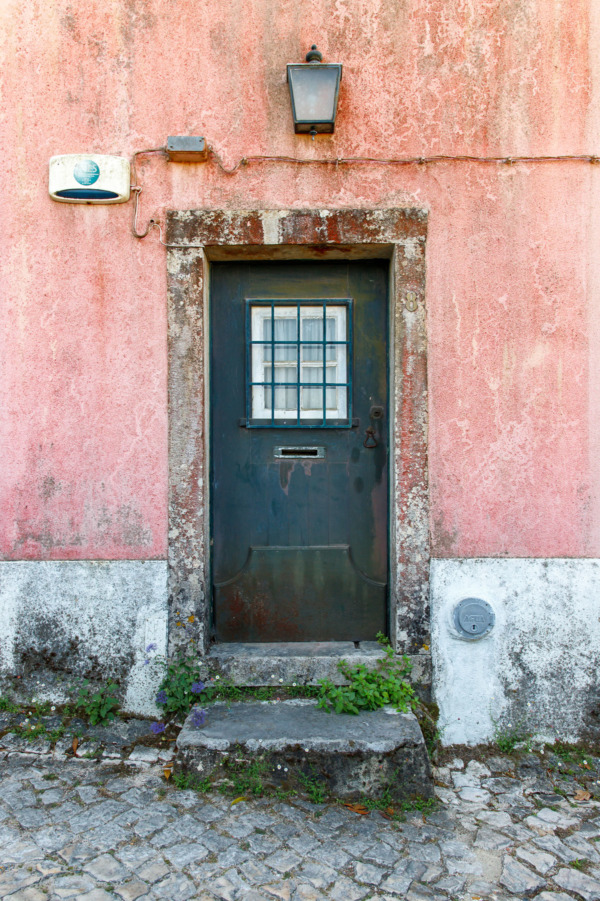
96	830
519	880
580	883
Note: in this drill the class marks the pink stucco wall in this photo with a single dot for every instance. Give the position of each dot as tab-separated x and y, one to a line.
512	259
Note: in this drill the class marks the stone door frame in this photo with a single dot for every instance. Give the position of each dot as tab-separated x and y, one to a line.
196	238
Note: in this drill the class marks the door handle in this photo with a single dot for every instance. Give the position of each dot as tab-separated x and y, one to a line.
375	414
370	440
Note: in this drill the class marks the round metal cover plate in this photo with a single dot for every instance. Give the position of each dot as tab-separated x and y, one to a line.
473	618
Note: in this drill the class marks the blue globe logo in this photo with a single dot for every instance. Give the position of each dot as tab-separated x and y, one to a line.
86	172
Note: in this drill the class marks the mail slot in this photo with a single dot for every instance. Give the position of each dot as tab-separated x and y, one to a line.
299	453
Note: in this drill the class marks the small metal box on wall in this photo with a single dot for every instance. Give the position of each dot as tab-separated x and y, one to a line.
187	149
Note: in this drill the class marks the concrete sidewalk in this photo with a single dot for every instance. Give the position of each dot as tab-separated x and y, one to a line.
504	827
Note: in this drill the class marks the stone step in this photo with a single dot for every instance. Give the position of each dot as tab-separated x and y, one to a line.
270	663
291	745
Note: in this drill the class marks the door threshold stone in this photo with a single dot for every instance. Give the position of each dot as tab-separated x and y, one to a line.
306	663
295	746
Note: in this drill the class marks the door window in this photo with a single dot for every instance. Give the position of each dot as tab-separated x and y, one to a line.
299	363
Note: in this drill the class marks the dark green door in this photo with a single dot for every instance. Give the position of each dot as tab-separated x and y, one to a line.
299	451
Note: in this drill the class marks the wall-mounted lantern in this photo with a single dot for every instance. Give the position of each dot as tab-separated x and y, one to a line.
314	87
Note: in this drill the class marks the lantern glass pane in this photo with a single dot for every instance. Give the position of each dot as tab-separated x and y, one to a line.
314	89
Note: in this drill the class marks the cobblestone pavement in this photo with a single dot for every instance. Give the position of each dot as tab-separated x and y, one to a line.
94	830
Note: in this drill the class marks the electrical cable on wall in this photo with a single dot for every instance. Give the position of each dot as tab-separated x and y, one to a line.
405	161
345	161
137	189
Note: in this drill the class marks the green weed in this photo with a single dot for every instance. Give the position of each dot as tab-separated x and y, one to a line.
369	689
33	732
283	794
99	706
580	864
396	809
390	805
8	706
506	738
245	778
181	686
384	802
226	691
314	788
185	781
569	754
427	715
425	805
55	734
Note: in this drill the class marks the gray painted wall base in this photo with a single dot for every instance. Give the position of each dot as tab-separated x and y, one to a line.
350	756
538	670
62	621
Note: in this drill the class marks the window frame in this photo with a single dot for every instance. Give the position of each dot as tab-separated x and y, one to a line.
298	418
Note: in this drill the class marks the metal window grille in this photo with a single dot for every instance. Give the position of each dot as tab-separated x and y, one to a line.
299	363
